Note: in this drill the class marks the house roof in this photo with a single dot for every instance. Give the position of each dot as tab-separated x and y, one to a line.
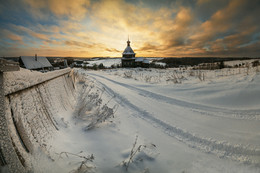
31	62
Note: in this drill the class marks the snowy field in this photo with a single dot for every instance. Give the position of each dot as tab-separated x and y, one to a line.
108	62
189	121
158	120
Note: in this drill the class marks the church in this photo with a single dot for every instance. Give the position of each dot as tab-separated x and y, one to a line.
129	59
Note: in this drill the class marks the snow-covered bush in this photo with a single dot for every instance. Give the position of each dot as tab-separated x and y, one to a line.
128	74
90	105
139	153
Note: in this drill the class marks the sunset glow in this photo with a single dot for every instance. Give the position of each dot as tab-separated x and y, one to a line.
165	28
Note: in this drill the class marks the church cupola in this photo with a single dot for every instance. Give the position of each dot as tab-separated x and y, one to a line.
128	52
128	56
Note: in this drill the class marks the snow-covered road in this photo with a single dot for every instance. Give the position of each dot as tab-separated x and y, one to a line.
227	133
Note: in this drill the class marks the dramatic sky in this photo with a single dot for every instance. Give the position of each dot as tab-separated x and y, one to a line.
157	28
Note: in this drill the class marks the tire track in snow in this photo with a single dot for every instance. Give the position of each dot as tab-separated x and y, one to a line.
222	149
202	109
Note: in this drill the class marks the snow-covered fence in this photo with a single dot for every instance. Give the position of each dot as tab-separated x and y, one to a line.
26	119
8	154
12	86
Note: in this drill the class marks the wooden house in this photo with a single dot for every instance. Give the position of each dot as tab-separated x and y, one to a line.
35	63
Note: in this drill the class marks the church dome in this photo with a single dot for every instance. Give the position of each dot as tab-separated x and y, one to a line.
128	52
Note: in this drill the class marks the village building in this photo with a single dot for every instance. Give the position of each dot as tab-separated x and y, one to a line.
129	59
35	63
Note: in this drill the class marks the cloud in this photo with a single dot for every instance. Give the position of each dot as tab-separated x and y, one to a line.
21	30
176	33
202	1
15	37
73	9
148	47
39	36
173	30
78	44
9	39
228	28
151	49
100	28
113	50
220	23
10	35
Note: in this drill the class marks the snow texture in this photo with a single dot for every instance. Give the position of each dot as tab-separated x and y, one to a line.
196	121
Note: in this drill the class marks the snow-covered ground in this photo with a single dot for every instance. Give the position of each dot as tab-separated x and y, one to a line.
107	62
239	62
218	115
171	120
197	125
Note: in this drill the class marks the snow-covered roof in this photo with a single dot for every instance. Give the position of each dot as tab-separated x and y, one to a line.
128	58
139	59
146	61
31	62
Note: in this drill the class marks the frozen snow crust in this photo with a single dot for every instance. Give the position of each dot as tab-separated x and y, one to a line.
182	120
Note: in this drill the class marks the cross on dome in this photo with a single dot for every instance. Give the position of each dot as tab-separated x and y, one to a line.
128	42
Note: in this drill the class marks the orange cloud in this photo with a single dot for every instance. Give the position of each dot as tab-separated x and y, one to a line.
78	44
176	33
14	37
113	50
100	28
219	23
22	29
4	33
74	9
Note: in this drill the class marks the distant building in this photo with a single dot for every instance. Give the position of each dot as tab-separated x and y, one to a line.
141	62
59	62
35	63
146	63
129	59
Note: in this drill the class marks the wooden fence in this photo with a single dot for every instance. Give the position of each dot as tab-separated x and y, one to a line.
10	158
